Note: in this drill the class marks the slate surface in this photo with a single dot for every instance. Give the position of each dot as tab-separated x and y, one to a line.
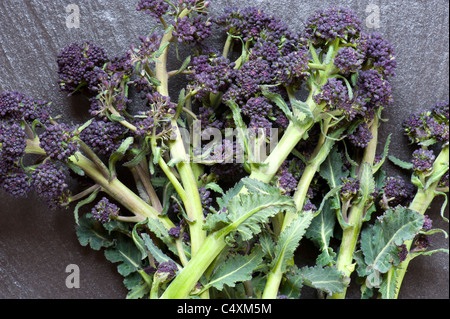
36	244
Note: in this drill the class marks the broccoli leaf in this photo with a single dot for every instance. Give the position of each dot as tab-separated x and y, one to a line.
126	254
379	243
90	232
290	238
235	269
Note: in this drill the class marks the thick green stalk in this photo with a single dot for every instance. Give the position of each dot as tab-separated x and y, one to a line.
422	200
321	152
186	280
192	200
351	233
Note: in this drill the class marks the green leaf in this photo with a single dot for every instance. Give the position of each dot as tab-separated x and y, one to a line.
126	254
438	172
214	187
379	243
235	269
136	286
320	231
184	65
400	163
377	166
327	279
332	169
119	154
247	212
157	253
138	240
280	102
242	136
90	232
290	239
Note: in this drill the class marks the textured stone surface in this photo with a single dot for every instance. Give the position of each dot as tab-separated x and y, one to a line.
36	245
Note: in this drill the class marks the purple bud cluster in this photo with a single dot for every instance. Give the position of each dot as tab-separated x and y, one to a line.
60	141
17	106
77	64
208	119
361	136
166	271
349	60
210	74
49	183
381	54
12	142
350	188
246	23
155	8
206	200
429	126
14	180
103	137
328	25
334	94
286	181
397	192
423	160
161	110
192	30
104	211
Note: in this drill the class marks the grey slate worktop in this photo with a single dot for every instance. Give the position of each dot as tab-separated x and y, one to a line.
36	244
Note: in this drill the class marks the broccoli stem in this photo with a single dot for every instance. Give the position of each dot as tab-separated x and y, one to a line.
321	152
351	233
422	200
119	191
192	200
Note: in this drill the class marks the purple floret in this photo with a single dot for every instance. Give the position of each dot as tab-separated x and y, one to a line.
361	136
104	211
350	188
397	192
349	60
17	106
60	141
166	271
12	142
155	8
210	74
334	94
77	65
336	23
429	126
192	30
423	160
103	137
286	181
49	183
381	54
14	180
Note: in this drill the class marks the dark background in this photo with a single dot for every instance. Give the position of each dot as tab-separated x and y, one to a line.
36	244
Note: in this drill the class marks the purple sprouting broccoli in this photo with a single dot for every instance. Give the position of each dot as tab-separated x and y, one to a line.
192	30
350	188
17	106
105	211
423	160
334	95
103	137
428	127
286	181
210	74
60	141
77	65
166	271
12	142
361	136
381	54
349	60
208	119
14	180
403	252
157	118
49	182
155	8
396	192
246	23
325	26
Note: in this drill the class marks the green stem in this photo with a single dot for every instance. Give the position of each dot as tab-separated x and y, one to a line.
119	191
186	280
192	200
351	233
422	200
